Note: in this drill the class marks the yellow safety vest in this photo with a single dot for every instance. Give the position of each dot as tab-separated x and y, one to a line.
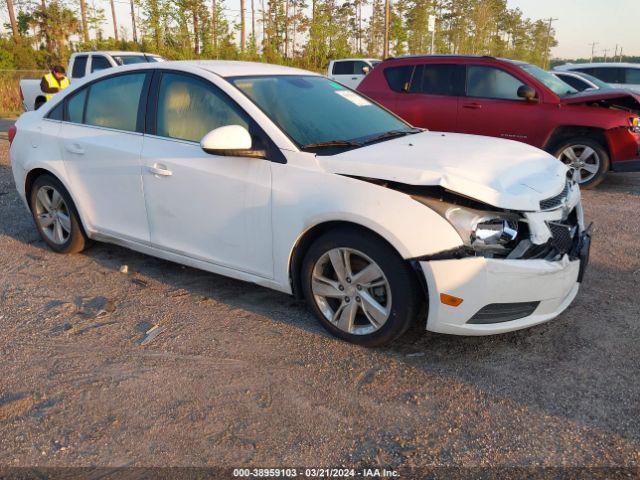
53	82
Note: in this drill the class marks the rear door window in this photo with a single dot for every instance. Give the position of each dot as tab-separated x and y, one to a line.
343	68
98	62
490	82
606	74
632	76
399	78
75	106
79	66
433	79
114	102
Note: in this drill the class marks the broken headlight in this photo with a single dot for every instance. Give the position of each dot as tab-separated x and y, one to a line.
483	231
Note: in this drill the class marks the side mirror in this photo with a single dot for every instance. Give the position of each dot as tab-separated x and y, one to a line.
527	92
365	70
230	141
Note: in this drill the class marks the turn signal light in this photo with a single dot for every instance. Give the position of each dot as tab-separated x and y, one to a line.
450	300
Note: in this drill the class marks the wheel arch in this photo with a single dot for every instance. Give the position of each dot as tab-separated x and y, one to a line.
37	172
566	132
310	235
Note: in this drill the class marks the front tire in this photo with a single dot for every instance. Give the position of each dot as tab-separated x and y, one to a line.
360	289
586	156
55	216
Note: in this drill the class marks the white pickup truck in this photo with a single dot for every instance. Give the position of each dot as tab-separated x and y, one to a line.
350	71
81	64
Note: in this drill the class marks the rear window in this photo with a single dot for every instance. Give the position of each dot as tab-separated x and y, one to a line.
129	59
79	66
398	78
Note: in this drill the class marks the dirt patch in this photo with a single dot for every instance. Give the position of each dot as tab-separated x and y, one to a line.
12	406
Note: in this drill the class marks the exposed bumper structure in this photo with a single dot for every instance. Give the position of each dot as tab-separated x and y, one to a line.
483	281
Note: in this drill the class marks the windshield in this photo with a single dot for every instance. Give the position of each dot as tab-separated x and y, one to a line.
551	81
314	110
592	79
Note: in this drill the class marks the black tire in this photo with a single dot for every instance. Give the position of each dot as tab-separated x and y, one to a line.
77	239
405	297
600	155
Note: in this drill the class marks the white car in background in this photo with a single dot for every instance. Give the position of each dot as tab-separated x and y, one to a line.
618	75
350	71
81	64
581	81
287	179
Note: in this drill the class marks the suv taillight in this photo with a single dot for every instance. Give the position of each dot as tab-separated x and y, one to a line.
12	133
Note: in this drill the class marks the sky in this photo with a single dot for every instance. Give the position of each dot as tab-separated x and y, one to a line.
582	22
579	23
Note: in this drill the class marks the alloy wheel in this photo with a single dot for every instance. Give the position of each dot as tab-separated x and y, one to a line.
52	215
351	291
582	158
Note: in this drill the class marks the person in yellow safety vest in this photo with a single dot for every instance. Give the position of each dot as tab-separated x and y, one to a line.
54	82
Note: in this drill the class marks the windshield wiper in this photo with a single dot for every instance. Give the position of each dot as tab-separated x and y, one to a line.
392	134
330	144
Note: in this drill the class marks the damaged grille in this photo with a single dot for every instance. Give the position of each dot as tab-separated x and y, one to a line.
564	234
554	202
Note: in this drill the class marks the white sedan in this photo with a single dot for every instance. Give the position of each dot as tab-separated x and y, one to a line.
287	179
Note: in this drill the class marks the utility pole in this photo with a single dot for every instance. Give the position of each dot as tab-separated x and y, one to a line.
605	50
387	21
12	19
115	22
133	22
546	49
85	25
593	49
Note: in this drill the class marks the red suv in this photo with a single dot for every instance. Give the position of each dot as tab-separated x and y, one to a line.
591	131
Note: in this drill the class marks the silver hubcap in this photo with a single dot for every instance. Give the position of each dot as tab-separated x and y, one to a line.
52	215
351	291
582	158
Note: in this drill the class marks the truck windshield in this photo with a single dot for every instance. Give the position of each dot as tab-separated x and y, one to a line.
131	59
551	81
319	114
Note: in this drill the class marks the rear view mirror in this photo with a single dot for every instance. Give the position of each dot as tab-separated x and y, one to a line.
230	141
527	92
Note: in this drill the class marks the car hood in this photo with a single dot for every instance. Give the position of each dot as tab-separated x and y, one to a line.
502	173
610	97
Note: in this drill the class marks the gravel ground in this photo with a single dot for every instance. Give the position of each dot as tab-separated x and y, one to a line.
243	376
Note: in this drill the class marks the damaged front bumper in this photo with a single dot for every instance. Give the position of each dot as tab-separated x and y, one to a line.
500	295
497	295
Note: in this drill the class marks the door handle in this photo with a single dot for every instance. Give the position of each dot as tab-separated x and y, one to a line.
74	148
160	170
472	106
354	78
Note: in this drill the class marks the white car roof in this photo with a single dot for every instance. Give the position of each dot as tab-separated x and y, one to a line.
115	52
572	66
355	59
232	68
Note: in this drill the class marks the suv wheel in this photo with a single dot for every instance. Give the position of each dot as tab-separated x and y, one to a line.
360	289
586	156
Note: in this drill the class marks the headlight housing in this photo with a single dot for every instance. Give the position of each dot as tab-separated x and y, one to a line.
483	231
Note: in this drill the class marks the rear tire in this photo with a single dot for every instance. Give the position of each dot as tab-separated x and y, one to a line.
587	156
360	289
56	216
